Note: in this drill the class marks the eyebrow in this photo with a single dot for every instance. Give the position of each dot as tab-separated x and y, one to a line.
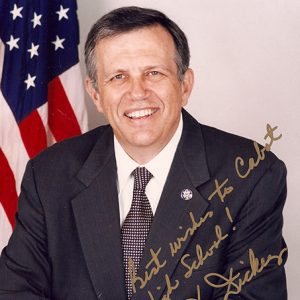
157	66
150	67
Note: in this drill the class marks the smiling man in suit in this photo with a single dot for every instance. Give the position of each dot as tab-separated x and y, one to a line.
153	205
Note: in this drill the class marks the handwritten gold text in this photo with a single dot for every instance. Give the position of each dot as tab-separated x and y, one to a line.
148	275
176	246
197	263
256	266
253	163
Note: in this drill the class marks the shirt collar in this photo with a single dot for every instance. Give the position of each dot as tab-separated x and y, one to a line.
159	166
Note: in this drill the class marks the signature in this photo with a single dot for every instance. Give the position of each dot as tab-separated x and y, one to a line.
222	195
170	289
198	294
176	246
197	263
148	275
218	190
235	282
253	163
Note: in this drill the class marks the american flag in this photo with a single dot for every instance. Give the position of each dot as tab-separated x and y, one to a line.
41	93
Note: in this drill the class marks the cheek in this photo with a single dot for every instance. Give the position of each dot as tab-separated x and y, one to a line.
112	107
170	94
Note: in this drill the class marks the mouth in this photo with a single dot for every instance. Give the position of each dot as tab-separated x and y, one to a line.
143	113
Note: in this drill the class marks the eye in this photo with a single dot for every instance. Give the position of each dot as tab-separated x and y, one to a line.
119	76
153	73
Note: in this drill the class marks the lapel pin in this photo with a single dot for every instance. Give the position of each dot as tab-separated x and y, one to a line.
186	194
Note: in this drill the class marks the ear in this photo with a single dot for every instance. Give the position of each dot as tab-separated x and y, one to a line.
89	86
187	85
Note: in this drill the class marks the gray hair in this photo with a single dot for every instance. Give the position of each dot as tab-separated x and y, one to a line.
125	19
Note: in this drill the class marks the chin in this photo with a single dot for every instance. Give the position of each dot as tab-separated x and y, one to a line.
143	140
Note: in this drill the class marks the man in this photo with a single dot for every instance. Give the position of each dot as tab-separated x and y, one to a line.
154	205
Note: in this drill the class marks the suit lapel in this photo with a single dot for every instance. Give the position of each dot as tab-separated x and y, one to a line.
96	212
172	218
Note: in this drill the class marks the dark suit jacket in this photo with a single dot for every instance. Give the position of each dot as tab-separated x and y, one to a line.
67	245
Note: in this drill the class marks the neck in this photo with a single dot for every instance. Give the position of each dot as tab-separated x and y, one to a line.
142	155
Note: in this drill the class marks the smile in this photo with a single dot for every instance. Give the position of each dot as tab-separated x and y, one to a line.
138	114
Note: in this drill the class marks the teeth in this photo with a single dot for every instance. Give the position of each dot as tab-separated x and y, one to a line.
140	113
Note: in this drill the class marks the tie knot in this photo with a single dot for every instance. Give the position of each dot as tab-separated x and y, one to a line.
141	178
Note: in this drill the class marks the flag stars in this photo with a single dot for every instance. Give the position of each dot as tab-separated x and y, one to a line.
33	50
36	20
13	43
16	12
62	13
30	81
58	43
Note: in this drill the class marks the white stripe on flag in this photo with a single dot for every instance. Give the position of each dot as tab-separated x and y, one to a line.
43	112
5	228
73	86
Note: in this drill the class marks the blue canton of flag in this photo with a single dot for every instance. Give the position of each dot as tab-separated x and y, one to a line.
42	39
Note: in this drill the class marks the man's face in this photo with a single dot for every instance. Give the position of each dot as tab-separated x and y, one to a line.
138	89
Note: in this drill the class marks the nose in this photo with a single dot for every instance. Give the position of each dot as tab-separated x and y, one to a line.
138	89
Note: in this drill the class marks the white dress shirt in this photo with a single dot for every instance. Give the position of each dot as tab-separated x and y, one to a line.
159	167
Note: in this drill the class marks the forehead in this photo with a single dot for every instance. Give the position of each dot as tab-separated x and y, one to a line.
146	40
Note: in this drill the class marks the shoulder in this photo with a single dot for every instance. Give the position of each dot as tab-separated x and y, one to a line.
244	154
233	153
70	152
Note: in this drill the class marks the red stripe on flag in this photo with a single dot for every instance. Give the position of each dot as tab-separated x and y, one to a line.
8	193
33	134
62	120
